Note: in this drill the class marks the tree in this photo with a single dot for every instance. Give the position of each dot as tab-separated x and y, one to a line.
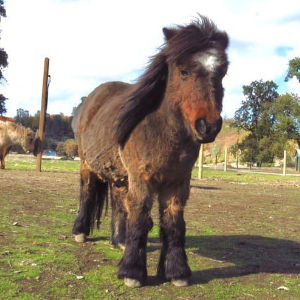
287	126
75	107
60	148
215	153
2	9
256	117
294	69
58	126
68	148
23	117
3	62
2	105
71	148
235	151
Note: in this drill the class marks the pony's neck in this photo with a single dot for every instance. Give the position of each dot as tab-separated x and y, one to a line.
17	134
170	122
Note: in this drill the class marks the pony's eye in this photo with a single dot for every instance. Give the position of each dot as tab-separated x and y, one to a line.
184	72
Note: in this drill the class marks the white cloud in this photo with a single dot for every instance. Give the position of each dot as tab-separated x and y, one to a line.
91	41
293	86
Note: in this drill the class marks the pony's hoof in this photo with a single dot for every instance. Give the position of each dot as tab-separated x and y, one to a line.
132	283
180	282
121	246
80	238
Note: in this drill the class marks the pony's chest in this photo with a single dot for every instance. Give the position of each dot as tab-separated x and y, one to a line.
159	164
177	162
4	139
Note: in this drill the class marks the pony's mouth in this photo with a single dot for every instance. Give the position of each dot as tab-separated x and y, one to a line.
207	131
205	140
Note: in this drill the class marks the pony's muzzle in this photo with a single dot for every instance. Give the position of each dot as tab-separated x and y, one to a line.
36	147
207	131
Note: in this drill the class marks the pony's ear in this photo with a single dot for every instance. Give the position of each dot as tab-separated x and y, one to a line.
169	33
222	39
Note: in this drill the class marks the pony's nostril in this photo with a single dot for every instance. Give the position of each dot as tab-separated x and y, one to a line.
206	130
201	126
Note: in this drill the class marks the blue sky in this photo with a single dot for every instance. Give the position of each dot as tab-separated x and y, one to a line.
90	42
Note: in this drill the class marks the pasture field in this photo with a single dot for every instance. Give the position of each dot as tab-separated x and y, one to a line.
243	239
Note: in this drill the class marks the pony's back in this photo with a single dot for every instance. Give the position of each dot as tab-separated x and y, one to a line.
3	131
75	120
95	121
6	119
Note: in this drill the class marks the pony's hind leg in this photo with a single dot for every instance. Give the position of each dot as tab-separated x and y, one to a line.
2	163
133	266
119	215
173	260
93	193
2	157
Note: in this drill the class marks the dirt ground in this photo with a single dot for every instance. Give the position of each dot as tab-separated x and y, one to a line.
243	242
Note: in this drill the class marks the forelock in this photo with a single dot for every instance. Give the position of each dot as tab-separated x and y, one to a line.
199	36
209	60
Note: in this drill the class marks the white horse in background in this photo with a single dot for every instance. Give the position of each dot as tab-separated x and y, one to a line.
12	134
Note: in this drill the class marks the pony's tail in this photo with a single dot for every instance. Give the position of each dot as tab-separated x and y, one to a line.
100	203
93	199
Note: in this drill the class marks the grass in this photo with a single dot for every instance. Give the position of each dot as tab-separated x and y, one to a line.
242	239
235	176
15	162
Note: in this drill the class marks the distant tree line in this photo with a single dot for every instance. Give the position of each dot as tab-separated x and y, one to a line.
57	130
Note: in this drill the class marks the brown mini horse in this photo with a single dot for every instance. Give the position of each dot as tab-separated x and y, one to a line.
138	142
11	134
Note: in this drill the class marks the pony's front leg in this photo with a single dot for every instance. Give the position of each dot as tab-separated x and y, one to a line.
173	260
2	157
138	203
2	162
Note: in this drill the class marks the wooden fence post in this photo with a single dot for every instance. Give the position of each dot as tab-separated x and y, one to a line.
200	163
225	160
42	115
284	163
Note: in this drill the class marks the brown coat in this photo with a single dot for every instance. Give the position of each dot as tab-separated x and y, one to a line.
140	142
11	134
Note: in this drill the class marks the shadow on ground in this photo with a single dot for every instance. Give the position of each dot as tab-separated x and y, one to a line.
249	254
212	188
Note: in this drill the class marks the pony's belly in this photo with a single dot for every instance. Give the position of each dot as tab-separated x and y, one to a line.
110	171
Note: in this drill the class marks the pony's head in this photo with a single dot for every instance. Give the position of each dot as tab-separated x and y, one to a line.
28	140
197	63
187	73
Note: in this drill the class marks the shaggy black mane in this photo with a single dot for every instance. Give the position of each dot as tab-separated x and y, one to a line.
181	42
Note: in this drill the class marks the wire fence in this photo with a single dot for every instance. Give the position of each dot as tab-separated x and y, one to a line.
228	162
